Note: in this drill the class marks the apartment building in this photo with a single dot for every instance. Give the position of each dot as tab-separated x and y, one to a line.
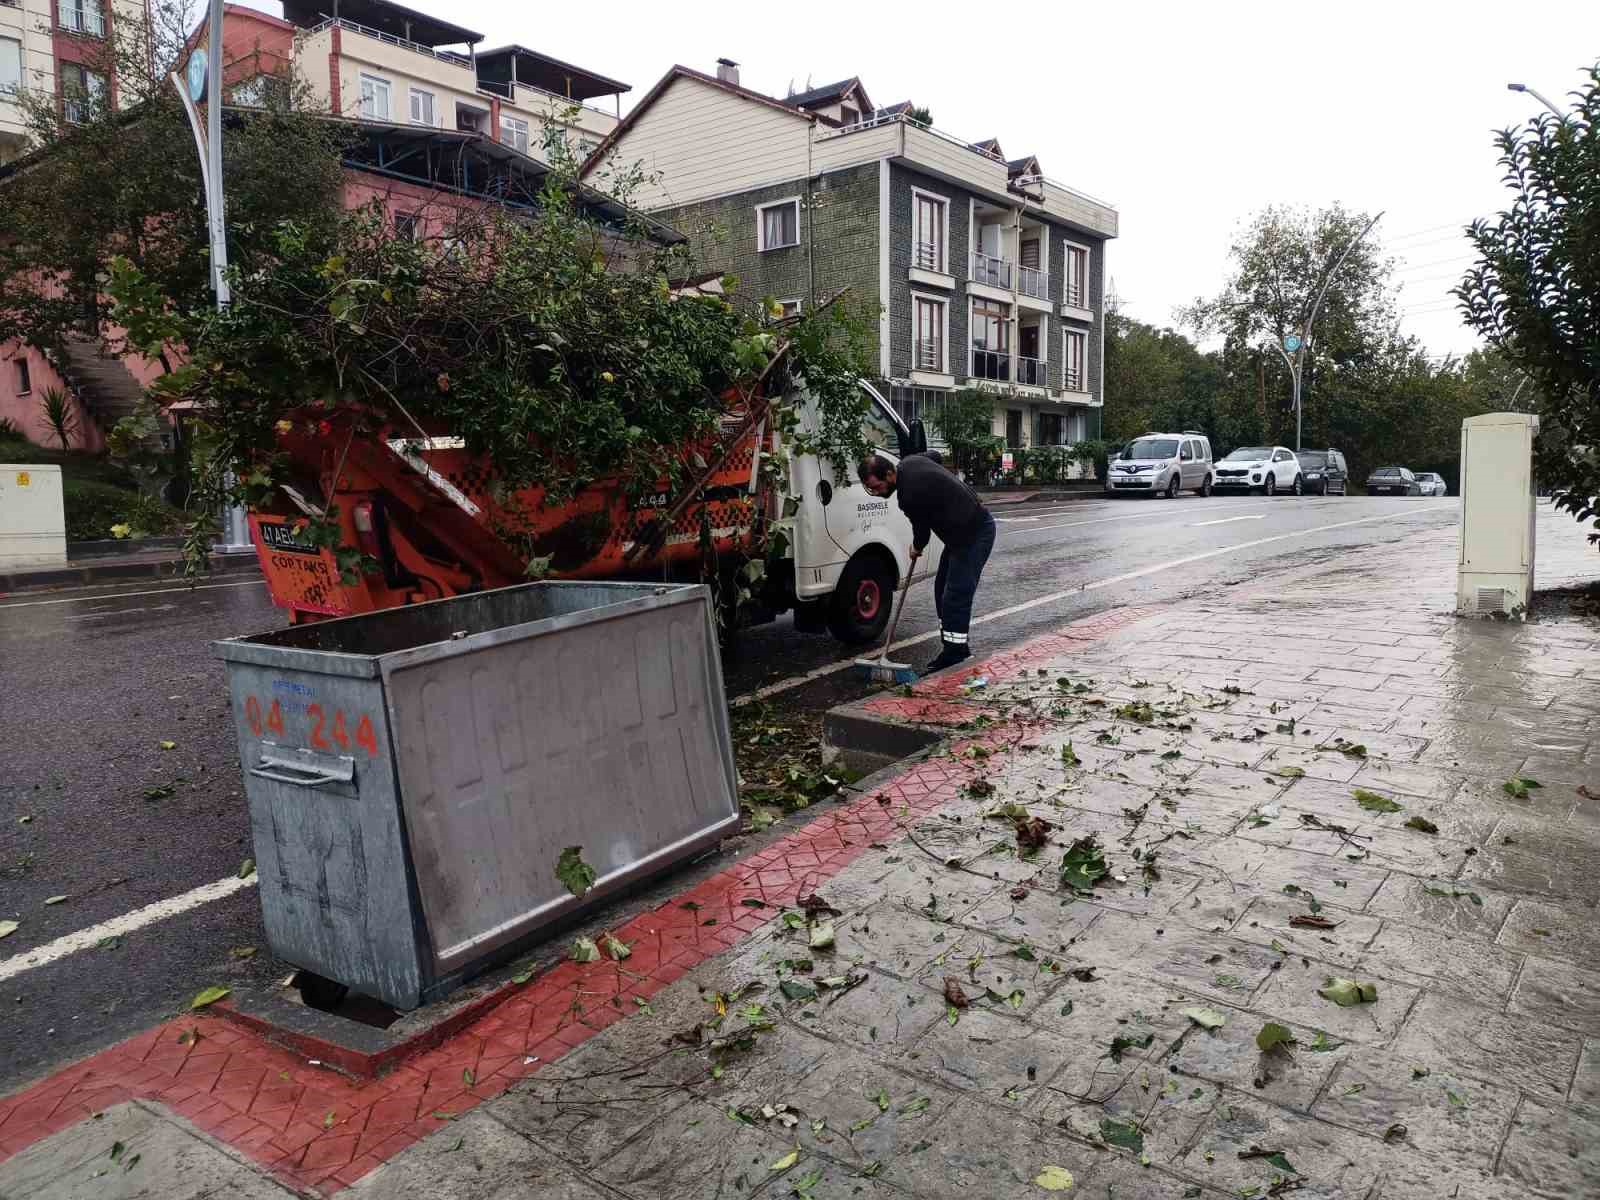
378	61
988	273
56	48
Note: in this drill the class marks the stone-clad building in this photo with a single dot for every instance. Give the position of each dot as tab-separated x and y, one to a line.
988	273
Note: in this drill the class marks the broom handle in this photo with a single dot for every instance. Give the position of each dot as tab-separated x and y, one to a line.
894	620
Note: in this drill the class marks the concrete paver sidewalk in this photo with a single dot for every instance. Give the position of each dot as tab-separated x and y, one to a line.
1107	1026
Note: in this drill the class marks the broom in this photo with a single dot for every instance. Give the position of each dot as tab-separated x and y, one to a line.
881	669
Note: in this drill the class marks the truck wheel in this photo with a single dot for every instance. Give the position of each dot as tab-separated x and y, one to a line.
862	601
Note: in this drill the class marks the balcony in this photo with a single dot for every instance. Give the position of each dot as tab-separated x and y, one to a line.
83	16
1033	372
986	268
991	364
927	354
1033	282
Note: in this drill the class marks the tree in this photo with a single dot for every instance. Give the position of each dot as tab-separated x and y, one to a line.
1156	379
1534	292
965	422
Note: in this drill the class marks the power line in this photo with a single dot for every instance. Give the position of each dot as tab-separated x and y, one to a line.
1438	262
1403	237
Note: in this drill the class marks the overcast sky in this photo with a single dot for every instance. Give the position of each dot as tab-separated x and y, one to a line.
1187	117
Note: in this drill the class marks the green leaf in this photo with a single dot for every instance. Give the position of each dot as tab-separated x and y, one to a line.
1122	1133
787	1161
1054	1179
882	1100
616	948
822	936
1273	1035
1347	993
793	920
914	1106
1277	1159
1373	802
1323	1043
1291	772
7	928
796	991
208	996
1084	864
116	1150
1122	1043
1422	824
247	868
575	875
1206	1018
584	950
1518	787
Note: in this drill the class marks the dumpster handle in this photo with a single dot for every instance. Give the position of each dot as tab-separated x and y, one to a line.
308	773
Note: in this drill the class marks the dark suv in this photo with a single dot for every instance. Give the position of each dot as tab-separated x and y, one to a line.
1325	471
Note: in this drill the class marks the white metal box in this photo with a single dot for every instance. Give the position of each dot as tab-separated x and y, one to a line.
1497	514
33	518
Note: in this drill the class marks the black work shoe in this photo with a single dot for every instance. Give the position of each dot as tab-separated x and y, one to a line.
948	657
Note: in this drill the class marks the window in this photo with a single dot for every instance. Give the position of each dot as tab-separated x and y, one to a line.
408	226
472	120
778	225
81	91
791	308
1051	430
848	115
24	379
919	404
514	133
83	16
421	107
991	339
1077	283
927	334
878	423
10	66
1075	380
374	98
929	224
262	91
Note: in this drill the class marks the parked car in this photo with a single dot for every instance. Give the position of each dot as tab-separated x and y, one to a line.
1393	481
1162	464
1325	472
1268	469
1431	484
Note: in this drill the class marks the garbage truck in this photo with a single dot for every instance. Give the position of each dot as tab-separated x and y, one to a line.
432	521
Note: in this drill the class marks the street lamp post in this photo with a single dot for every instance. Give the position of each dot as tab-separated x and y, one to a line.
1295	343
1522	87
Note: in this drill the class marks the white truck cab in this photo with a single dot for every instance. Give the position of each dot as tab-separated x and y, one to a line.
851	549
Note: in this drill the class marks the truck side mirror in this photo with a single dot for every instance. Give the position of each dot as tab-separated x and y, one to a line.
915	440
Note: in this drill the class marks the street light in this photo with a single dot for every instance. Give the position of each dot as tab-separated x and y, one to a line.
1295	343
1522	87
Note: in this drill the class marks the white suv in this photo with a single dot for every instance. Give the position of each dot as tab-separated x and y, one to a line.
1162	464
1270	469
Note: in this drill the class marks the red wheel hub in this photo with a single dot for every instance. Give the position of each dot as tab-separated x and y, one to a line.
868	597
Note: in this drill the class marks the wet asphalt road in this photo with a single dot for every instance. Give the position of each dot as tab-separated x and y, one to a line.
93	681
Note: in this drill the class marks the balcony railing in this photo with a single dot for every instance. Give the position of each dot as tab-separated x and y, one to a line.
87	19
1074	294
986	268
1074	379
927	354
455	60
1031	281
927	256
991	364
1032	371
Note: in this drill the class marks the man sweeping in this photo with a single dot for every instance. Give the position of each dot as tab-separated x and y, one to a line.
935	501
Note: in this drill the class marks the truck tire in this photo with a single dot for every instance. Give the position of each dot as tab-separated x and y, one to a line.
861	602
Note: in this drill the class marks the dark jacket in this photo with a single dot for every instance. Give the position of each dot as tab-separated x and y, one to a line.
935	501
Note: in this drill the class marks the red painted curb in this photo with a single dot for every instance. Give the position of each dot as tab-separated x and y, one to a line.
319	1130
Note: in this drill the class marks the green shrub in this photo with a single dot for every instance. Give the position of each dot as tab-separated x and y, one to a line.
92	508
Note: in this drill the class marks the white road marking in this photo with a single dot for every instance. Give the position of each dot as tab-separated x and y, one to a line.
1147	516
202	587
1226	520
117	612
86	939
1010	520
833	668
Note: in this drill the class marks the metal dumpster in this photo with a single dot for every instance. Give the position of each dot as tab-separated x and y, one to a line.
414	774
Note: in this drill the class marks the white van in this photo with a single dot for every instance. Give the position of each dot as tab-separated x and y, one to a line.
850	550
1162	464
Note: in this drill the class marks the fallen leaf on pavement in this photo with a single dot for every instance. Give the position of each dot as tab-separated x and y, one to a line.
1019	893
814	904
1291	772
1422	824
1274	1157
207	996
54	899
953	994
7	928
1123	1042
787	1161
1373	802
168	745
1084	864
242	952
1518	787
796	991
1122	1133
1273	1036
584	950
1206	1018
1347	992
1054	1179
1312	922
247	868
822	936
1322	1042
616	948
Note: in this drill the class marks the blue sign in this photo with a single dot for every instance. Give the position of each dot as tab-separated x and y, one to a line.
1291	343
197	74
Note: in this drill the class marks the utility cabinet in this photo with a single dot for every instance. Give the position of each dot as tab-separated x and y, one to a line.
1498	510
33	521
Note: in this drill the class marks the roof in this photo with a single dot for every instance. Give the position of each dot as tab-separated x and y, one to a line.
383	15
543	71
1023	166
830	94
647	101
989	146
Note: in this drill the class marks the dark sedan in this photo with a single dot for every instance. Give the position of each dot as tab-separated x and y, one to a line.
1393	481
